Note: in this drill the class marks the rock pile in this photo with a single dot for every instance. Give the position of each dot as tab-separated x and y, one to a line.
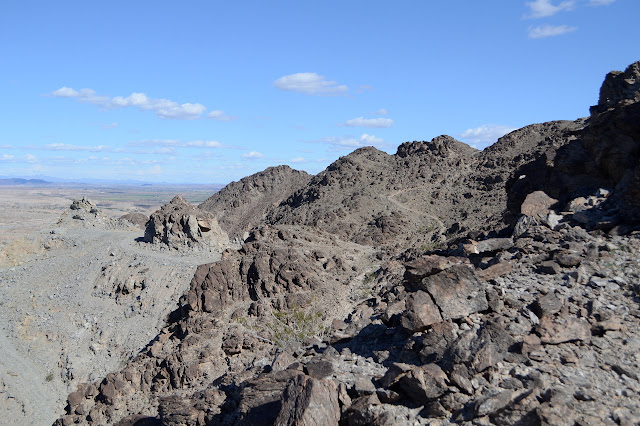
179	225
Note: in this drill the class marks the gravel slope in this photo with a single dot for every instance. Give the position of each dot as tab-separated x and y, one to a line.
84	298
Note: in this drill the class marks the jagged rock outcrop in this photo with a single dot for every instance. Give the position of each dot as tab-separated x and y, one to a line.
613	138
242	205
604	153
620	88
178	224
84	212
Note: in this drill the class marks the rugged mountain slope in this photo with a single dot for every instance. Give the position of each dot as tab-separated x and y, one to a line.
396	201
336	311
428	192
242	205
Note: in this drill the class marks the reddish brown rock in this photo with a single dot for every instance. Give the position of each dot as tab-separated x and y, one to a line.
537	204
309	402
420	312
431	264
563	329
456	291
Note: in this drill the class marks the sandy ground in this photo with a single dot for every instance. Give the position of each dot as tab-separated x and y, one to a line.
24	209
77	299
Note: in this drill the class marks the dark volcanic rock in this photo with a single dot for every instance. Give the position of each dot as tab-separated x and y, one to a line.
619	89
613	137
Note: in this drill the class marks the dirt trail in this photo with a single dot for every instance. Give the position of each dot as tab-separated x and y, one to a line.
392	197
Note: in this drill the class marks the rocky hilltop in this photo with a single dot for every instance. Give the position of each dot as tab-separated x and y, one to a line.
242	205
437	285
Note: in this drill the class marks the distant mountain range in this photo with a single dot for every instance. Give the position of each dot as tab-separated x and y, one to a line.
50	180
18	181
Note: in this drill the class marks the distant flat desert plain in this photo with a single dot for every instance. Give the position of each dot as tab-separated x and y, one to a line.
25	209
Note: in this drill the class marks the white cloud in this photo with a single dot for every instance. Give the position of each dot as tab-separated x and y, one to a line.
31	158
298	160
82	95
600	2
219	115
348	142
544	8
7	157
252	155
483	136
65	92
381	111
368	122
550	31
310	83
163	108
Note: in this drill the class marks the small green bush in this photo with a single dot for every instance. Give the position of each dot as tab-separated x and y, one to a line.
295	326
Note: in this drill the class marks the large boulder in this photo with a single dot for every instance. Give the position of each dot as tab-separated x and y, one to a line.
179	225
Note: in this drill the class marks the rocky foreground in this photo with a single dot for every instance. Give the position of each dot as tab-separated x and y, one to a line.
438	285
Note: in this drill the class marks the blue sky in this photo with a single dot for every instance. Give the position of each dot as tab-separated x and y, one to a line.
209	91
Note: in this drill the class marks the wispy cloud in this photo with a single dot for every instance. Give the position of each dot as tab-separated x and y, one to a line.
364	88
219	115
544	8
204	144
298	160
381	111
546	30
70	147
482	136
163	108
368	122
7	157
252	155
178	143
310	83
350	142
600	2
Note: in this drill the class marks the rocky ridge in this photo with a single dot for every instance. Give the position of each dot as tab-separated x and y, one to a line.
335	310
